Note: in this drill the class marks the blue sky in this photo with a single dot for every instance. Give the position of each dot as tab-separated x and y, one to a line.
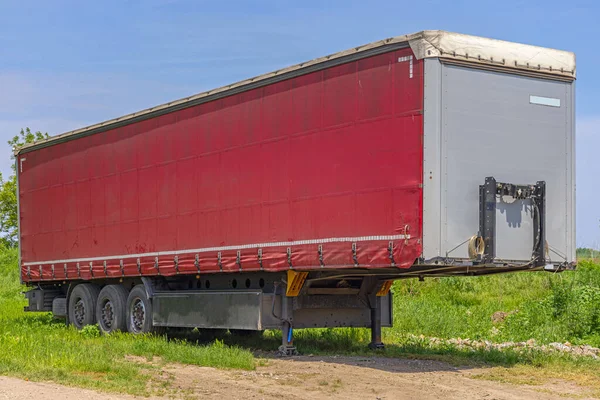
67	64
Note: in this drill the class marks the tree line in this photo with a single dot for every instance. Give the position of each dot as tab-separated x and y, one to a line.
9	218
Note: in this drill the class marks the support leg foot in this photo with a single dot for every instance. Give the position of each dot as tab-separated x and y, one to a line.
376	346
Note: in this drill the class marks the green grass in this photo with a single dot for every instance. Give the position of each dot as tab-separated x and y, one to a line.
543	306
36	347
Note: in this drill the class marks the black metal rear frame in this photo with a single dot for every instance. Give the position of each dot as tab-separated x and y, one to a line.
488	198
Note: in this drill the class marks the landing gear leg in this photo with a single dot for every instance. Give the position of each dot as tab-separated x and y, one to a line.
376	342
287	347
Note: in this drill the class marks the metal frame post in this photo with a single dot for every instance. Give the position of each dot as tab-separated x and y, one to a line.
376	342
487	218
539	221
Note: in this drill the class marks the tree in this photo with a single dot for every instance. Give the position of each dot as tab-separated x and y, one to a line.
9	217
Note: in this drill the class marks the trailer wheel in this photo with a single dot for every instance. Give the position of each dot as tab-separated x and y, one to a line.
111	309
139	312
82	305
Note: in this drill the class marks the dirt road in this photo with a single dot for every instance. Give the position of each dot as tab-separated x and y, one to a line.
317	378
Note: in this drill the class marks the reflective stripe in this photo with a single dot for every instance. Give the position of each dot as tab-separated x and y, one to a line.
235	247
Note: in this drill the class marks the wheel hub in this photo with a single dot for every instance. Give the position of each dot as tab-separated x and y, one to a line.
79	312
138	315
108	314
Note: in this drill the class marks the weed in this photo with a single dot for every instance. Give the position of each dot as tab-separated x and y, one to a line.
90	331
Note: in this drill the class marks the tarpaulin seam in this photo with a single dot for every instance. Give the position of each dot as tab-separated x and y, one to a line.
233	247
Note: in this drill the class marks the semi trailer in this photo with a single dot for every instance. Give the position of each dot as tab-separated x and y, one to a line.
294	199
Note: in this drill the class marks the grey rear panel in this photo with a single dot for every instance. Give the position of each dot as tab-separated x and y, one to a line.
480	123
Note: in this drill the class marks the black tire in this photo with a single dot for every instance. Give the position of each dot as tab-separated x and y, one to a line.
111	309
82	305
139	312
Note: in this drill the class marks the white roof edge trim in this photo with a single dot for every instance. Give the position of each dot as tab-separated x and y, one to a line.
476	49
424	44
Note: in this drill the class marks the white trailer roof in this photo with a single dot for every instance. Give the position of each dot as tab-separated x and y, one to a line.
491	51
425	44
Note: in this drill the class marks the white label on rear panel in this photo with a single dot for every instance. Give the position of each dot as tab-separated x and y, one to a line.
544	101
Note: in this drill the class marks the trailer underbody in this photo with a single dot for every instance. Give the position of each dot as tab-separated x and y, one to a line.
245	302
